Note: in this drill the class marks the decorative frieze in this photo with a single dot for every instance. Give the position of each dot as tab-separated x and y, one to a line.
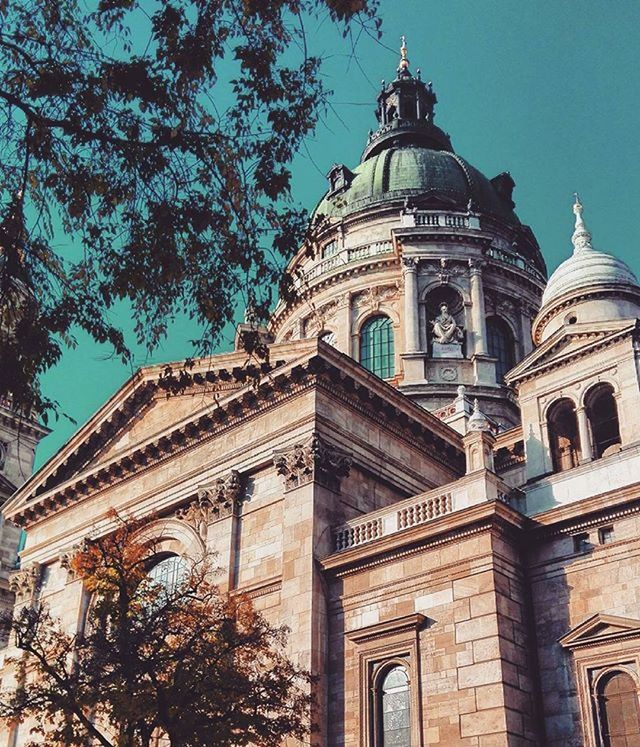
213	502
312	460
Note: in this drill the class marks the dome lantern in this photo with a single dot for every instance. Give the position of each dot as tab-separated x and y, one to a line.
405	113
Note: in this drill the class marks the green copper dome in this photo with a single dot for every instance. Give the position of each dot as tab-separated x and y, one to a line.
421	174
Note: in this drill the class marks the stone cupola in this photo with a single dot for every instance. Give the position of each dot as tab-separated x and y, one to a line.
590	285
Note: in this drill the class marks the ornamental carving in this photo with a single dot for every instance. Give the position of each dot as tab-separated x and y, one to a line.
372	298
312	460
315	323
67	556
213	502
24	583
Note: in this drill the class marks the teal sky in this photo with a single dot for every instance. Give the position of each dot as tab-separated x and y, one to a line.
547	90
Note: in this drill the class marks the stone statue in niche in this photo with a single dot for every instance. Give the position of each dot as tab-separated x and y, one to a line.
447	335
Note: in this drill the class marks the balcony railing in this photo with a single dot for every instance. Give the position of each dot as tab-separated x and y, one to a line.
344	258
515	260
420	509
431	220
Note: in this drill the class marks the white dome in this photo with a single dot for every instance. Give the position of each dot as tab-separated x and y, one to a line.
585	269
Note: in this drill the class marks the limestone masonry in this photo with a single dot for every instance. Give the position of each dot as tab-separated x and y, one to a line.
435	481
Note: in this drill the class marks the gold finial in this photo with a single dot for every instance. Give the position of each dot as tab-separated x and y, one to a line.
404	60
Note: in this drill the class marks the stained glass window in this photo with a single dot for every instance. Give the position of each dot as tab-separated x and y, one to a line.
395	708
500	344
168	572
376	346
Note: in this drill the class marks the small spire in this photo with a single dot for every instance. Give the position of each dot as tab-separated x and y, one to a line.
403	67
478	420
581	238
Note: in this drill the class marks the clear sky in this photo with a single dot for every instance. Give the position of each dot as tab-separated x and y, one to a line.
547	90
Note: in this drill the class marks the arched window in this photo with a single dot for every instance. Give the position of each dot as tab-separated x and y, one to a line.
501	346
169	572
376	346
603	418
394	708
564	440
618	710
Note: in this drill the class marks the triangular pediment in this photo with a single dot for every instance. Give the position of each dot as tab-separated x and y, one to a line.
566	344
601	628
140	413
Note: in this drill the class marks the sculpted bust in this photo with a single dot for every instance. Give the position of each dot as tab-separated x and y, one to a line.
445	329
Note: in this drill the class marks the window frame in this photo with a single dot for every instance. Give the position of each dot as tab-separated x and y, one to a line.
378	647
599	682
501	325
593	658
390	367
378	676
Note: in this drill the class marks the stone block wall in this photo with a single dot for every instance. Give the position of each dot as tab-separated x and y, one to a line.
470	660
574	576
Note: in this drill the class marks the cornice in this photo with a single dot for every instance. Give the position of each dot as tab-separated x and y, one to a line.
584	514
246	403
601	340
413	622
570	299
332	278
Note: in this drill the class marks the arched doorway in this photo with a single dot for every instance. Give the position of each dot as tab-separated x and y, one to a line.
564	441
602	413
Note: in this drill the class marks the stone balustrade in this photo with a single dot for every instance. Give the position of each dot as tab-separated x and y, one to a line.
467	491
343	258
429	219
515	260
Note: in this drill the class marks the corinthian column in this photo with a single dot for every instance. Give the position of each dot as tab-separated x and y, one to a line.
411	339
478	318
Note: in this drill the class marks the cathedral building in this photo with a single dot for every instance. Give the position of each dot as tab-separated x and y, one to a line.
435	481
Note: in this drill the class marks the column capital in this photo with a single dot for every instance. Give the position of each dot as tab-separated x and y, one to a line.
410	264
476	265
312	460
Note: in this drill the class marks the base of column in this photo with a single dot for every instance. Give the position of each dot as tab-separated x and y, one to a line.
414	368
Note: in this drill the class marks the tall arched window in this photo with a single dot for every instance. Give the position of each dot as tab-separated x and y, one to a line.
501	345
394	708
564	440
619	710
169	572
603	418
376	346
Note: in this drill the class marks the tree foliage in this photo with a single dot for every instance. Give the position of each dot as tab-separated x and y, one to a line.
155	137
200	667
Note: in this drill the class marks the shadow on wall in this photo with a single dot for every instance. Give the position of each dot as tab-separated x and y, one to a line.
552	599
